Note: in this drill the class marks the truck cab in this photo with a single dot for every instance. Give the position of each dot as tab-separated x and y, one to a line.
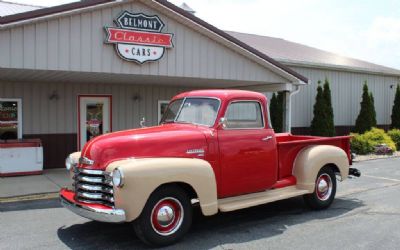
215	148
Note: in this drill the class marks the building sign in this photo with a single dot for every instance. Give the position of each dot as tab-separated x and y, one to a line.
138	37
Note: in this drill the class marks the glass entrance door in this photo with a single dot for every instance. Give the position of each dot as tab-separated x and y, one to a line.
94	117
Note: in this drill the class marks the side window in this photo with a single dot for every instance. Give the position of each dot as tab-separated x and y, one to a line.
244	114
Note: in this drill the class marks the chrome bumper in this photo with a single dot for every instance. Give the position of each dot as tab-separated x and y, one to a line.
97	214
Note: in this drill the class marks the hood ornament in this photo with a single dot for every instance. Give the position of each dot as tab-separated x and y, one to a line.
86	161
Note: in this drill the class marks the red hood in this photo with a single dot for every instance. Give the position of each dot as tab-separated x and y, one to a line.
169	140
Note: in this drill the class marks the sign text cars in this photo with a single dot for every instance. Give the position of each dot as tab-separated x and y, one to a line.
138	37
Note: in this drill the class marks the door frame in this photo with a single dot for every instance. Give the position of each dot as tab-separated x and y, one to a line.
79	114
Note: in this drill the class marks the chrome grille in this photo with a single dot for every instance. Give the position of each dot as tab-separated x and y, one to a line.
93	186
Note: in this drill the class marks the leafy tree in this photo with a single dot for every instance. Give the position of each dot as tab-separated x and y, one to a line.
330	129
276	111
396	110
366	118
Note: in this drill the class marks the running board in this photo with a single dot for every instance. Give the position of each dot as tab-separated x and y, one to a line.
254	199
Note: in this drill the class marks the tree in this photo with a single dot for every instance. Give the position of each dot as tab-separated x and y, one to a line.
330	129
396	109
371	97
318	123
322	123
366	118
276	111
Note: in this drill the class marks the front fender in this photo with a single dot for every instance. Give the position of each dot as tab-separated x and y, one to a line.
143	176
311	159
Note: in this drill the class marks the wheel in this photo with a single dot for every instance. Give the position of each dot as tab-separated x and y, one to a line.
325	190
166	217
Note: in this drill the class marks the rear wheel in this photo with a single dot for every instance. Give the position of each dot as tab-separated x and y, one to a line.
325	190
166	217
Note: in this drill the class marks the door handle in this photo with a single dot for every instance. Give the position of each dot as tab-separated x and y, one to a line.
267	138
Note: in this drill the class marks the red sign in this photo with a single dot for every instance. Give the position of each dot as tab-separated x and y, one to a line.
138	37
117	35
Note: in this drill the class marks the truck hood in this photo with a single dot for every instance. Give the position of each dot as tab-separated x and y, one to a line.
169	140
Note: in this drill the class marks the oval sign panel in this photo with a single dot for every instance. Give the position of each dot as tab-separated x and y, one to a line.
139	37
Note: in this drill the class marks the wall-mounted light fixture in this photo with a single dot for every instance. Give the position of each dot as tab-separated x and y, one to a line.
54	95
136	97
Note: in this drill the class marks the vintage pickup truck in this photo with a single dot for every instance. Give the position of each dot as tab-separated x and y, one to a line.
214	149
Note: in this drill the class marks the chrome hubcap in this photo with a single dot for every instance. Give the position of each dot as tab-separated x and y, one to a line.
324	187
165	215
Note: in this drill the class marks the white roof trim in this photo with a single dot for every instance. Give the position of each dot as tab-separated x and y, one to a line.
307	64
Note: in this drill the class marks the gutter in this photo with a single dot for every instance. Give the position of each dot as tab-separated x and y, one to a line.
292	93
305	64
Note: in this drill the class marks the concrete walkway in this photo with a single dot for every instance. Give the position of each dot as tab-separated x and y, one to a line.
49	182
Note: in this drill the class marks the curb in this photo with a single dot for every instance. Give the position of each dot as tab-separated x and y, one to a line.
378	158
31	197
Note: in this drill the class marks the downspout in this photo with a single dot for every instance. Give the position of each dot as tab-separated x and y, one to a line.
292	93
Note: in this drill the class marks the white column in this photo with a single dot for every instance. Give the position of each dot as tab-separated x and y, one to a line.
287	121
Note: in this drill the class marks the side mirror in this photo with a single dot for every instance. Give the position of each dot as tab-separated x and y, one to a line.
223	122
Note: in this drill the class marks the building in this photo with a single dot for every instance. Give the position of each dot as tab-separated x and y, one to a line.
65	78
71	72
345	75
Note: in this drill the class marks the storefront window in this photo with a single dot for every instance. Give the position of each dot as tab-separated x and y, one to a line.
10	119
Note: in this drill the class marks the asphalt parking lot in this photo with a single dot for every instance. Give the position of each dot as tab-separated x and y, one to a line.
365	215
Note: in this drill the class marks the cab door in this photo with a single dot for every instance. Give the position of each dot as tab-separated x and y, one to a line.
247	147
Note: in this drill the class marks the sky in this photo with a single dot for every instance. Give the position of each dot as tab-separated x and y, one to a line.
363	29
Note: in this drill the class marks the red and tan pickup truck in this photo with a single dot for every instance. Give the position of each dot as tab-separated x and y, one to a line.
214	149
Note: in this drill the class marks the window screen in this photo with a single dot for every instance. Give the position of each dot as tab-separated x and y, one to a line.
244	114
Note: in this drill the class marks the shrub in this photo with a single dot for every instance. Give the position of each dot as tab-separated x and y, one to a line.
360	145
395	135
366	143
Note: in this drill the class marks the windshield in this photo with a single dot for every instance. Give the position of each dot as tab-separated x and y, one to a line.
201	111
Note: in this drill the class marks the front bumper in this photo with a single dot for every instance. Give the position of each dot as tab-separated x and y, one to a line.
91	211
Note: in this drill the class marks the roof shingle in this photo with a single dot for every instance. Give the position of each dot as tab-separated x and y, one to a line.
286	51
9	8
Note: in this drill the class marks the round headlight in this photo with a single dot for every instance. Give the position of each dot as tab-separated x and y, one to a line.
68	163
118	177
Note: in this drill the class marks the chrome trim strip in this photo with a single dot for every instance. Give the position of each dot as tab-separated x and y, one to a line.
98	188
97	180
92	172
95	196
97	214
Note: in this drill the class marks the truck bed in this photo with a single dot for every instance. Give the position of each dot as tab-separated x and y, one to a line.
289	146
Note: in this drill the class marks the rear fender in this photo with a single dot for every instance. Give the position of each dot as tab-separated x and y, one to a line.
310	160
143	176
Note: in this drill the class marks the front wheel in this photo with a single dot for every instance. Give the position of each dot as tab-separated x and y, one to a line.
166	217
325	190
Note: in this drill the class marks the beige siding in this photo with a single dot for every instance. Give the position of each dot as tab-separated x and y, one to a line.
75	43
346	90
44	116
